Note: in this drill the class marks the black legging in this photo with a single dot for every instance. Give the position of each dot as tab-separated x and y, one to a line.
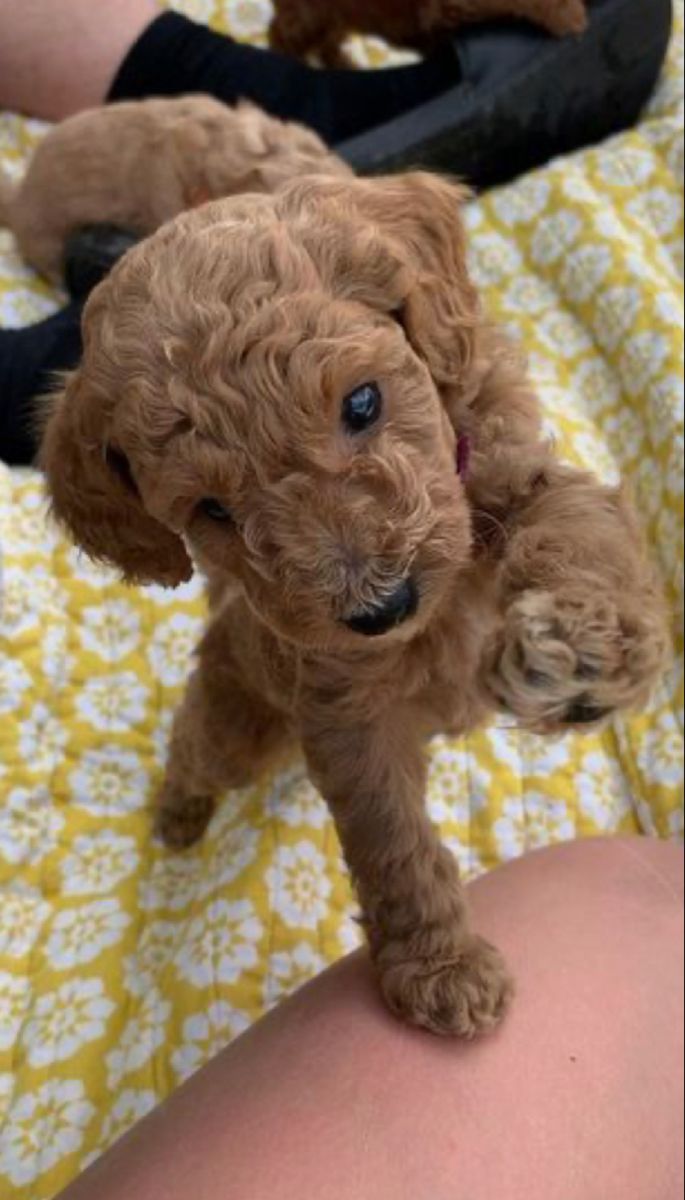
175	56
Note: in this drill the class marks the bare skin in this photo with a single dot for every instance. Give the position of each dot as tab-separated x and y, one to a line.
57	59
578	1097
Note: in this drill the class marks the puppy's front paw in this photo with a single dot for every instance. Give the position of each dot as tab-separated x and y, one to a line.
462	997
573	657
181	820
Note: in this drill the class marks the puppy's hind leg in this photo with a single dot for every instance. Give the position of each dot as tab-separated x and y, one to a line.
223	738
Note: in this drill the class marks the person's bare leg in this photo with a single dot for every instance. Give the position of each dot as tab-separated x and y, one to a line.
57	58
578	1097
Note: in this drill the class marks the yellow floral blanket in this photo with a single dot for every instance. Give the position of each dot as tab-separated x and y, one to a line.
122	968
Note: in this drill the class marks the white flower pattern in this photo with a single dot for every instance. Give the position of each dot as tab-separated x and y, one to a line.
113	703
23	913
42	1127
604	796
79	935
295	800
127	1110
531	824
144	970
205	1035
14	682
42	737
172	647
110	631
142	1036
110	782
6	1086
220	945
299	887
14	997
289	970
661	754
97	863
29	826
64	1021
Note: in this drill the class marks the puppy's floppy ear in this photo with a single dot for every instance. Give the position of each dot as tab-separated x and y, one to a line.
94	494
422	213
406	254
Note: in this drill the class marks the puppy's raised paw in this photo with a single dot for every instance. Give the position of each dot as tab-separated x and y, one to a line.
463	997
572	658
181	820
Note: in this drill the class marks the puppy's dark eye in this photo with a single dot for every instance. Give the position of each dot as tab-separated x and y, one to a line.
362	408
214	510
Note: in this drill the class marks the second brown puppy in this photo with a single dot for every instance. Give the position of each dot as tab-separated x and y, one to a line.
140	163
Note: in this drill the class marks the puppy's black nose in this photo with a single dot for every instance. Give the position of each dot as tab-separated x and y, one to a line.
398	608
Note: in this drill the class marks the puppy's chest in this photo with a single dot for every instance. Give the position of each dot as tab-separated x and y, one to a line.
436	674
442	682
433	676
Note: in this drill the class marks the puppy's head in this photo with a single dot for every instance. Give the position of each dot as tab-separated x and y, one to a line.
262	389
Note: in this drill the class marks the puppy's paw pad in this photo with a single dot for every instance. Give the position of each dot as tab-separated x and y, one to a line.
182	821
460	998
573	657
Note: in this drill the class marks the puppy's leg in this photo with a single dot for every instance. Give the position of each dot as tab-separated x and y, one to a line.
435	972
303	28
223	737
584	628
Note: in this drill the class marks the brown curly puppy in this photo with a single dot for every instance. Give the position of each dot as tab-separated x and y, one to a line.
140	163
310	27
300	395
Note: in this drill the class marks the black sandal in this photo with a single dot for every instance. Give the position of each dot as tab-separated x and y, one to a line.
525	97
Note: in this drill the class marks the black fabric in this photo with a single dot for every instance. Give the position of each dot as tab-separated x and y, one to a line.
525	98
29	359
175	55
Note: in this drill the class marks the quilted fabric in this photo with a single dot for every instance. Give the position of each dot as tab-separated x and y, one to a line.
122	968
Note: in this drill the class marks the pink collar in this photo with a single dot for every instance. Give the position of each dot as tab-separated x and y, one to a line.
463	454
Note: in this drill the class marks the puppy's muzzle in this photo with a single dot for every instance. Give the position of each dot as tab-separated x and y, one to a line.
394	611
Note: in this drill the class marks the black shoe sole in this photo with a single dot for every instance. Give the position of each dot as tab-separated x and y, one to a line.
526	98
